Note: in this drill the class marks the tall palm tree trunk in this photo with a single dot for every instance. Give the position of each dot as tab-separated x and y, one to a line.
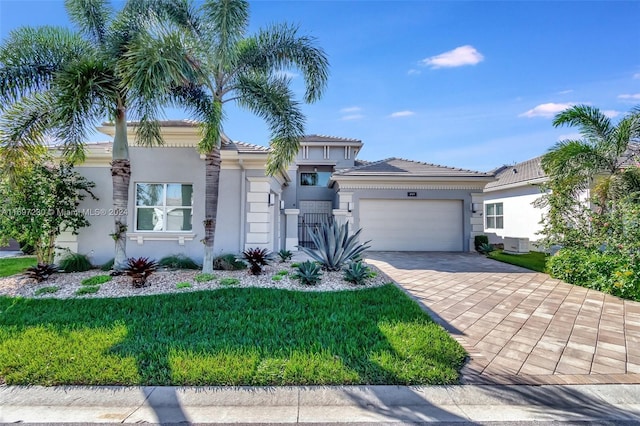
120	175
212	183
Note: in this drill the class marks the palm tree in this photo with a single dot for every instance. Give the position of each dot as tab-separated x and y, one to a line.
60	83
598	158
247	70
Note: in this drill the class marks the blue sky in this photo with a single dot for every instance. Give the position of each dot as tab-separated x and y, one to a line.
465	84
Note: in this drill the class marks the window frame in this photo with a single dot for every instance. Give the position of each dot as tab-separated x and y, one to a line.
493	216
164	207
318	179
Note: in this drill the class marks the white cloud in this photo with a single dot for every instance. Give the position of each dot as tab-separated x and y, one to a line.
287	74
402	114
350	109
611	113
637	76
352	117
633	97
414	71
565	92
546	110
460	56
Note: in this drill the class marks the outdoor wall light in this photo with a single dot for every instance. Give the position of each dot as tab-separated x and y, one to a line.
272	199
349	206
281	204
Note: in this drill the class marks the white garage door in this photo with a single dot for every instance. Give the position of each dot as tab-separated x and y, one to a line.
412	225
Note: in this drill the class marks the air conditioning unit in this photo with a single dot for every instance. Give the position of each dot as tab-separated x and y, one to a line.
516	245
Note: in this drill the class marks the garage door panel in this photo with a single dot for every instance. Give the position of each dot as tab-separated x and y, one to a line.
412	225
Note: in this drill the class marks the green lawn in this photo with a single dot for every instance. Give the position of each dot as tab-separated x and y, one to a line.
14	265
235	336
533	260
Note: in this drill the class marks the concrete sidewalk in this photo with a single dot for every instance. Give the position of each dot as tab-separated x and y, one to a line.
465	404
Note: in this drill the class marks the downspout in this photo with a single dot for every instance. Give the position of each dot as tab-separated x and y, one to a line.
243	204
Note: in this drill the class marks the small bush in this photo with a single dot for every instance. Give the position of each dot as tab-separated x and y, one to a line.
479	240
90	289
308	273
276	278
203	278
485	248
41	272
139	270
46	290
229	281
96	280
178	261
285	255
183	284
108	265
228	262
357	273
75	262
283	272
295	265
256	258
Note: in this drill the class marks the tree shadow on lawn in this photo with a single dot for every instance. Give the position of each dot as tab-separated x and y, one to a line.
228	337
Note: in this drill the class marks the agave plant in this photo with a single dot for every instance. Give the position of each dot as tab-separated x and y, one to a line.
308	273
357	273
41	272
334	246
139	270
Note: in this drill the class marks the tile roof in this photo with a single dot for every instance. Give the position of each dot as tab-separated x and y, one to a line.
520	172
401	167
163	123
325	138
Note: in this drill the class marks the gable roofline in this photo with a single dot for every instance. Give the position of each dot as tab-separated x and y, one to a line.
442	171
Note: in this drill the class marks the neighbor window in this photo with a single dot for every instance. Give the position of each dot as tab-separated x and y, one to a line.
494	216
163	207
315	178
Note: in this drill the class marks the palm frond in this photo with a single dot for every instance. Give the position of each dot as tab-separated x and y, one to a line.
30	57
272	99
229	20
594	125
280	48
91	16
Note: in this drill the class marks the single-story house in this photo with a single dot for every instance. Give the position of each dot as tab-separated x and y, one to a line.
400	204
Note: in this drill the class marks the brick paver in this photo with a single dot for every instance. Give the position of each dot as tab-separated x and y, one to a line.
520	326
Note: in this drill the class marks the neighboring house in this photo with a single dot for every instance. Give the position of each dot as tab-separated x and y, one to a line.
508	202
509	209
400	204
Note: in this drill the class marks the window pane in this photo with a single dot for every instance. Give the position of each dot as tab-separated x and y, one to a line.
499	222
149	194
179	195
323	178
491	209
491	222
499	209
179	220
149	219
308	179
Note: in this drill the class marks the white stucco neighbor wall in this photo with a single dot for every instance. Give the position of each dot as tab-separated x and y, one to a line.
521	218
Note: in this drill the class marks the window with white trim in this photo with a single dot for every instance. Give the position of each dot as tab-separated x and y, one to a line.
314	178
494	216
164	207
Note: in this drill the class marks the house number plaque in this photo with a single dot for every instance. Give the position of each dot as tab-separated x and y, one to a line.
412	194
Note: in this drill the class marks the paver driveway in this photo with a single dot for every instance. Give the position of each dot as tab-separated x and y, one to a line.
520	326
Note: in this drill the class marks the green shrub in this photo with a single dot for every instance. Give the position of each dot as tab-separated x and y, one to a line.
308	273
178	261
485	248
295	265
183	284
285	255
276	278
96	280
256	258
607	271
229	281
203	278
479	240
357	273
108	265
228	262
334	246
283	272
90	289
75	262
47	290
